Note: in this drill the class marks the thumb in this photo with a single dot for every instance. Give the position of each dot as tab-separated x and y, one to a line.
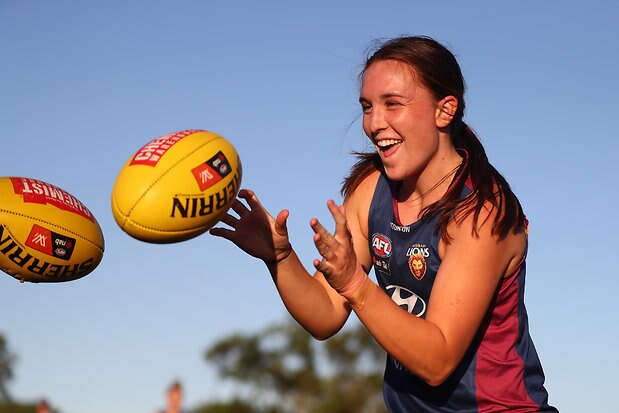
281	222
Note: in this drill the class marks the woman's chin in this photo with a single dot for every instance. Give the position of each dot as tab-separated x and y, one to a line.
393	174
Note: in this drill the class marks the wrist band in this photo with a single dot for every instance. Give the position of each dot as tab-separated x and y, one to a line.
358	298
355	282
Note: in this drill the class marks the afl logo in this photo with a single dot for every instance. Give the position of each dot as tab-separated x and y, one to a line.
381	245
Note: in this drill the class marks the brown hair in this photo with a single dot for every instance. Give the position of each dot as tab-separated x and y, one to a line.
175	386
438	70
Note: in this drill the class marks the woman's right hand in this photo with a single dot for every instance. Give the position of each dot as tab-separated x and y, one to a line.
255	231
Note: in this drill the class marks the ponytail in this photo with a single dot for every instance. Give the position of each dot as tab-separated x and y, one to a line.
438	70
488	186
367	162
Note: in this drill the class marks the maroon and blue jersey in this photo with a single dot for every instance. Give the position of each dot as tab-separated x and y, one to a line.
500	371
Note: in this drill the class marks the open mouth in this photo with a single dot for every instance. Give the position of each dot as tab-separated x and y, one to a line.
386	144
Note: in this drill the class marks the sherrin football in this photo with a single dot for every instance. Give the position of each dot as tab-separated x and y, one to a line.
46	234
176	187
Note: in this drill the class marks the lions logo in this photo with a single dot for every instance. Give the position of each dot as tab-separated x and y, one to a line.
417	265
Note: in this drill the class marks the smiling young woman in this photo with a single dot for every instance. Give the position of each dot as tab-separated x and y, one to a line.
444	233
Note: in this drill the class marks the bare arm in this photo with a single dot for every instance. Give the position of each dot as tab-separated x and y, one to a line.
470	272
463	290
309	299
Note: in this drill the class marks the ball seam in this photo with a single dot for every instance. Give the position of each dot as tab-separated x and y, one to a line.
53	225
128	220
137	201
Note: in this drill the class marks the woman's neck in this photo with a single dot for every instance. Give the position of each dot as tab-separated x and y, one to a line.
432	183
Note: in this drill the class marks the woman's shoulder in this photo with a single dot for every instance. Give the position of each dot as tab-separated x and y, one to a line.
358	201
474	227
364	190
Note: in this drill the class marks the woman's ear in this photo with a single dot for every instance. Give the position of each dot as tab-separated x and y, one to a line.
446	110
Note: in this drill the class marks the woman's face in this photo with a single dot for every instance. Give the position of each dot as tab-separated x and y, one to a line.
399	117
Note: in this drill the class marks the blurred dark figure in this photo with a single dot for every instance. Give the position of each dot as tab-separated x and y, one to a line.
7	362
174	398
43	407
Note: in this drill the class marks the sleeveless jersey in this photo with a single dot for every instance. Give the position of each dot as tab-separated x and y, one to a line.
500	371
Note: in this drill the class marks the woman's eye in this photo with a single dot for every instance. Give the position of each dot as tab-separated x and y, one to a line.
366	108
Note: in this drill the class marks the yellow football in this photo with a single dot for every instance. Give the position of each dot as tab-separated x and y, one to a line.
46	234
176	187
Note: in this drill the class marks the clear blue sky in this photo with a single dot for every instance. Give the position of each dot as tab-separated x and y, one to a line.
83	84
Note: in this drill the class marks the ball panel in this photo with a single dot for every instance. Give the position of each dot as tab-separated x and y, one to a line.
156	236
43	200
46	234
151	161
187	191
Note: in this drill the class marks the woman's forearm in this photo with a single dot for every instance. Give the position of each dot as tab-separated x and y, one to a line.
309	299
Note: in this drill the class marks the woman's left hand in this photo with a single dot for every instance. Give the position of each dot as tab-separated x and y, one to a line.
339	261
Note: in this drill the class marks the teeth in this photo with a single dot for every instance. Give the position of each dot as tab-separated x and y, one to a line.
387	142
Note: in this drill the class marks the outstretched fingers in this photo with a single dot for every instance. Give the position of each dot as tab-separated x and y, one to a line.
240	208
322	238
251	198
341	224
323	266
338	260
230	220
